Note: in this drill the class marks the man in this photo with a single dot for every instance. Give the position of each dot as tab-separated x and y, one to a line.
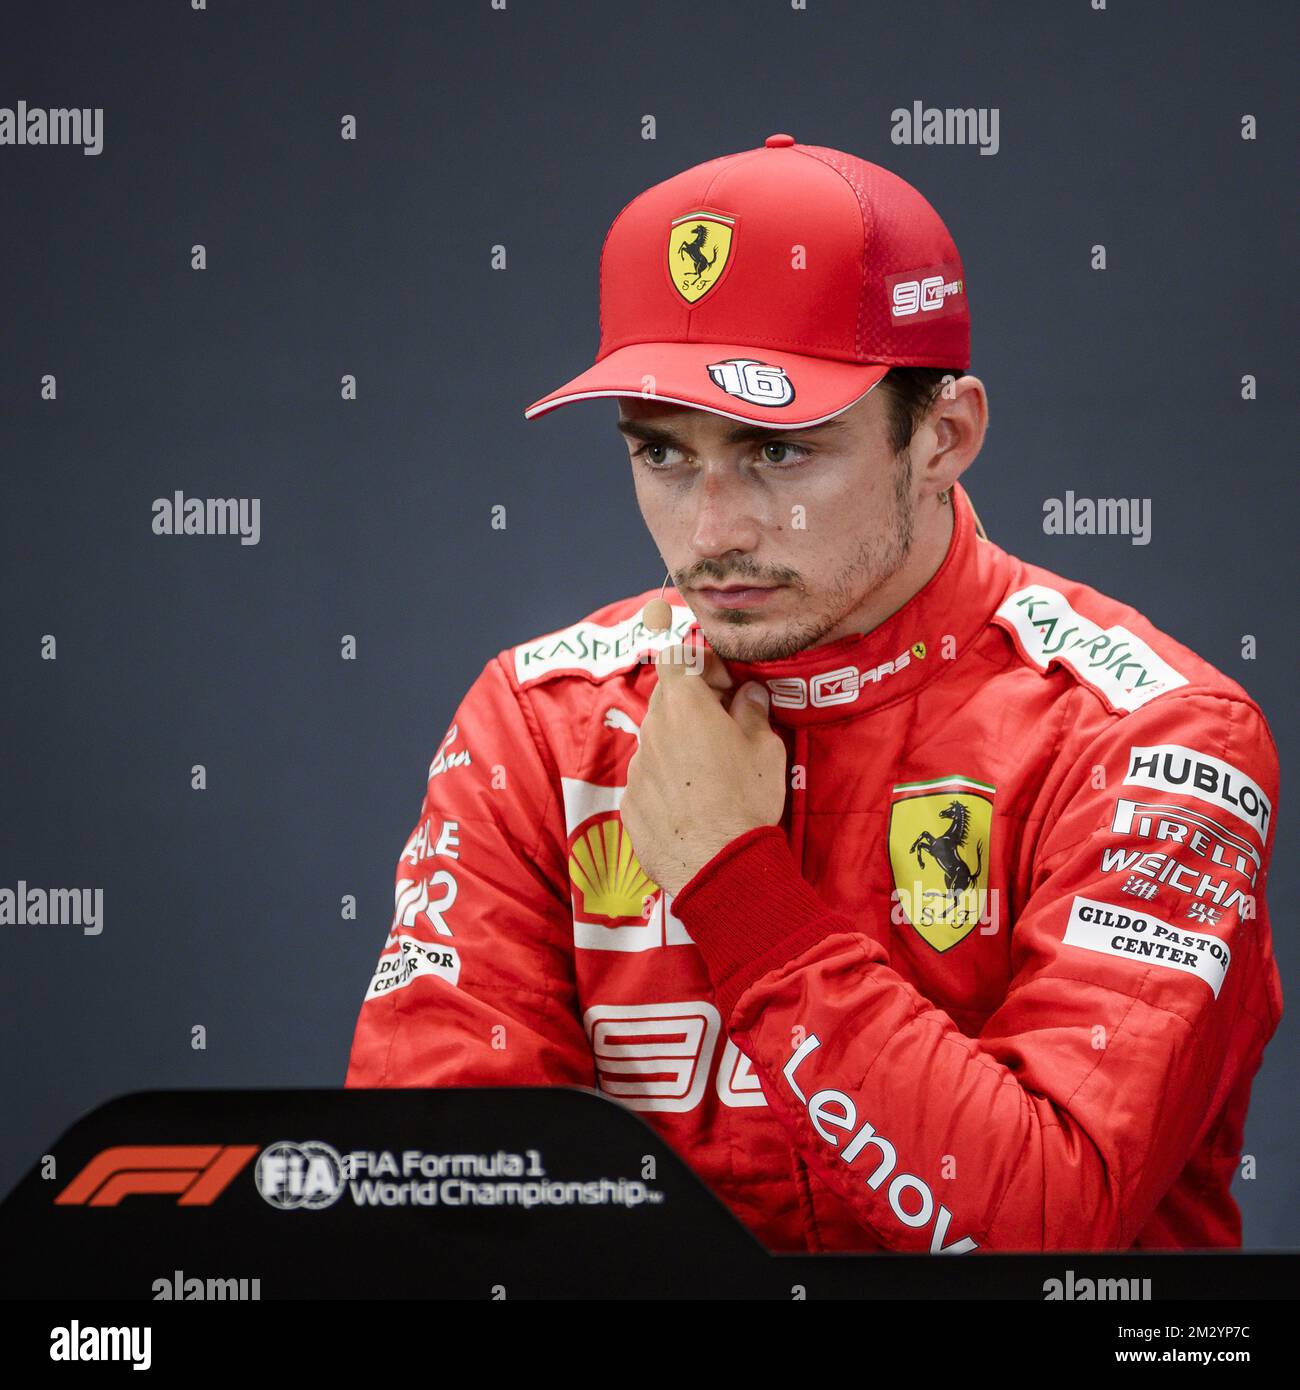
913	893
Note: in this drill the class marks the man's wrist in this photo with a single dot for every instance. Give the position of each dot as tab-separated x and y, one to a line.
749	910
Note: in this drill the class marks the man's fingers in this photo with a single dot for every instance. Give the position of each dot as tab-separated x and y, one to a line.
669	662
749	708
689	671
716	675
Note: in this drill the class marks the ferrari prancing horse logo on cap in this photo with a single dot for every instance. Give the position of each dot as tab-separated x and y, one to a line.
698	246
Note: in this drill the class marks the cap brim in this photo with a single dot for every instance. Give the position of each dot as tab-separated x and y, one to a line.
678	373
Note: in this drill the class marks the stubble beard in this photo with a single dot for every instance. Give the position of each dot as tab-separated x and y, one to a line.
879	558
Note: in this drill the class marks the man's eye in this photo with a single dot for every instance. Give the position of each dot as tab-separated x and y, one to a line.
788	455
655	455
778	454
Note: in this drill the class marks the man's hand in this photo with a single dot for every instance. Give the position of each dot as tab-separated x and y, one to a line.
703	773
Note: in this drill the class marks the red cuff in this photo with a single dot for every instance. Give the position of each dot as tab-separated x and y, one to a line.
750	910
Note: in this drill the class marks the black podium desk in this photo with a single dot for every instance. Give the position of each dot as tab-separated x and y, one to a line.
478	1194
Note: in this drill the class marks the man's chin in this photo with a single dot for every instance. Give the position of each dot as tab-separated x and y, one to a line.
750	637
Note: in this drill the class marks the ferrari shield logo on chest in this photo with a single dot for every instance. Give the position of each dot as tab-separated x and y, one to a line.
699	244
939	849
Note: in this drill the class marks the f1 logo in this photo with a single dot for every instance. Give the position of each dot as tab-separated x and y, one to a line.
198	1173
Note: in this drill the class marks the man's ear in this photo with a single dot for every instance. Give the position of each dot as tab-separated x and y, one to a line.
958	420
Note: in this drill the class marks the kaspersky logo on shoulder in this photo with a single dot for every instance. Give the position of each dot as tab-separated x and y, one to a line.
597	649
1116	663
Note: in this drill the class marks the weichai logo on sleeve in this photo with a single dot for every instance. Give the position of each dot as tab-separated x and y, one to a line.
939	833
195	1174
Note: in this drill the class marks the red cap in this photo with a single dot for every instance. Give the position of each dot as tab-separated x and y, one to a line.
777	285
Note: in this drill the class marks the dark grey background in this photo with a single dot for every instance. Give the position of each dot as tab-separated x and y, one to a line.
523	128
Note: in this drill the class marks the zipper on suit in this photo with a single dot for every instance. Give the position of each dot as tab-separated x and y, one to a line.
798	796
798	824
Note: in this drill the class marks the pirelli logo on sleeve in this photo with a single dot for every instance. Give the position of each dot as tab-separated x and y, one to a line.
1146	940
1170	767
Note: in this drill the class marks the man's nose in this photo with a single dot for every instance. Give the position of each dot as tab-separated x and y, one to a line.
724	516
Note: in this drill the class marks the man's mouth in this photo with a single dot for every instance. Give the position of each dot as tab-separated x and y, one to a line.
737	595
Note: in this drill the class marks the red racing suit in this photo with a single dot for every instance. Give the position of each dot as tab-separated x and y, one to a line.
999	980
